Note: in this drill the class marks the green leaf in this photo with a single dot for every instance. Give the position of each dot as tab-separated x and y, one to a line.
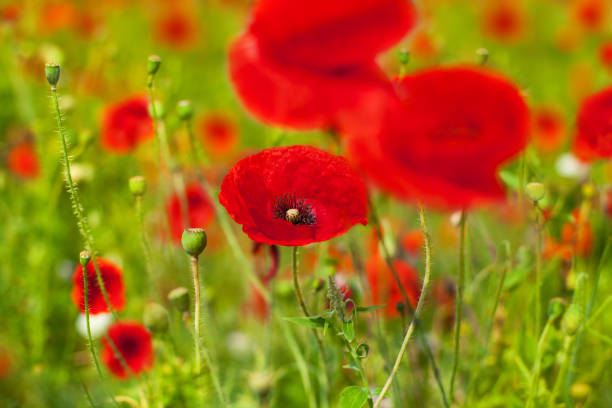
510	179
351	366
353	397
348	328
314	321
366	309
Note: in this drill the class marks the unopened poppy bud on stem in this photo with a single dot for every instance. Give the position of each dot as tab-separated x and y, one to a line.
535	191
84	258
52	72
194	241
556	307
153	64
138	185
404	57
179	298
184	109
155	318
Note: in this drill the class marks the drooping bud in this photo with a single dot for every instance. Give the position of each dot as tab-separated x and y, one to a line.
184	109
179	297
84	258
153	64
156	318
194	241
535	191
52	72
555	308
138	185
572	320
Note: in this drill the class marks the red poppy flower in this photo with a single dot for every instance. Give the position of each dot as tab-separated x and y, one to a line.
443	139
22	160
200	211
133	341
113	282
220	135
383	286
605	55
590	14
594	127
294	195
176	28
504	20
413	241
301	64
10	12
548	128
125	124
58	16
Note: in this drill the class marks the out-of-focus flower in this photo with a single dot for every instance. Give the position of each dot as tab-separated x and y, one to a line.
113	282
177	28
58	15
22	160
548	128
576	239
504	20
200	210
594	127
445	138
568	165
294	195
605	55
422	45
10	12
219	134
383	286
133	342
591	15
126	124
413	241
98	324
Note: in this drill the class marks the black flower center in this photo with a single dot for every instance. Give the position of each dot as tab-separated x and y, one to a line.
293	209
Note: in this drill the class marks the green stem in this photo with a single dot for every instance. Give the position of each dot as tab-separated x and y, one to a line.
569	341
196	318
417	311
146	248
458	303
535	375
538	277
420	333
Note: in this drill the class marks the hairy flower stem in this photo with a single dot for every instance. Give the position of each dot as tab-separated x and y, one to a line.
419	332
538	277
300	298
417	311
535	375
458	303
82	223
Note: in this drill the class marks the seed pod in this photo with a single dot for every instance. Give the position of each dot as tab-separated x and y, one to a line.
52	72
535	191
194	241
184	110
138	185
153	64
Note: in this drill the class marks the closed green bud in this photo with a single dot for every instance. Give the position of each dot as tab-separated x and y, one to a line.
179	298
153	64
535	191
155	318
572	320
184	109
556	307
404	57
52	72
194	241
138	185
84	258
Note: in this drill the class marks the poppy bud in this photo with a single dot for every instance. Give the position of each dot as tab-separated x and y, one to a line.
179	297
184	109
155	318
555	308
52	72
138	185
535	191
580	391
153	64
194	241
572	320
404	57
84	258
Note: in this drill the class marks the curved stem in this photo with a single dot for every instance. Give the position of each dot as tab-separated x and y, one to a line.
417	311
458	303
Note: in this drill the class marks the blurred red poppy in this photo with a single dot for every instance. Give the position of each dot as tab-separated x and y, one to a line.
605	55
126	124
176	28
548	128
591	15
133	341
6	362
302	64
383	286
413	241
200	211
443	139
219	134
594	127
504	20
113	282
10	12
22	160
59	15
294	195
